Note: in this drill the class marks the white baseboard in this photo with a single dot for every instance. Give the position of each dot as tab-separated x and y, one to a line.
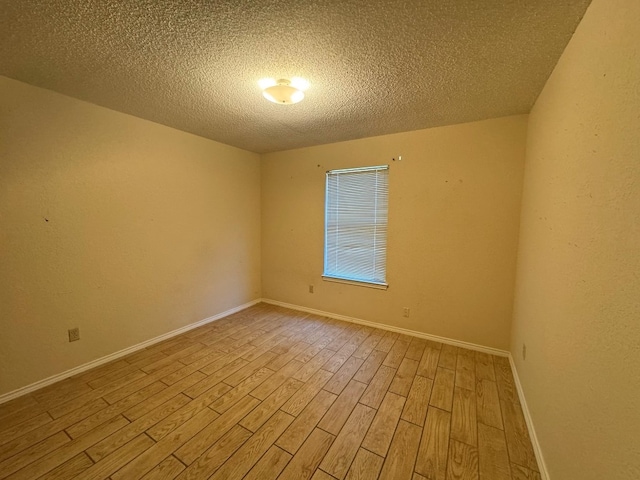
542	466
113	356
382	326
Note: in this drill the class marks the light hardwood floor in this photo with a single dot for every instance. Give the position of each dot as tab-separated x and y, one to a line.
272	393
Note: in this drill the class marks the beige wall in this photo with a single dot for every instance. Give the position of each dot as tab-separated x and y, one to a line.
454	206
578	286
125	228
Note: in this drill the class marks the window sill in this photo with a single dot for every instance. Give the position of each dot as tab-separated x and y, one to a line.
378	286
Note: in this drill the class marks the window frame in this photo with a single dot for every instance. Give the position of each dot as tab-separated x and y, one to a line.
343	279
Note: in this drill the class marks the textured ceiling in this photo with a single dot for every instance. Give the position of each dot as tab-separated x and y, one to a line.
375	66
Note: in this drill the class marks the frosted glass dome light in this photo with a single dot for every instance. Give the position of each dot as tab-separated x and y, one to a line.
283	91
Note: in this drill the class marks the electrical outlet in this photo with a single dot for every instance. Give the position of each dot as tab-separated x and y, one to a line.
405	312
524	351
310	288
74	334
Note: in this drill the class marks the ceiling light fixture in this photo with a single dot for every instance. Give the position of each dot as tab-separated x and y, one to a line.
283	91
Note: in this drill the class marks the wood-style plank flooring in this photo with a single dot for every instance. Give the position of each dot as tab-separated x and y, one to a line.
272	393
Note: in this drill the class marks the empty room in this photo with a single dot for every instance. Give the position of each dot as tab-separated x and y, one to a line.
320	240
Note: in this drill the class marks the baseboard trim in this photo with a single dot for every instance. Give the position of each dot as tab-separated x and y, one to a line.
382	326
542	466
121	353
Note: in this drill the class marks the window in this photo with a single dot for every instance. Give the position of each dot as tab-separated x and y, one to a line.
355	235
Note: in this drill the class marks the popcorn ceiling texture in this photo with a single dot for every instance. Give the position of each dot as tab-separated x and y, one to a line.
375	67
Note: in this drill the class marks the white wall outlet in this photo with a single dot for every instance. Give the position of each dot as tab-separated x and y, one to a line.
406	311
74	334
310	288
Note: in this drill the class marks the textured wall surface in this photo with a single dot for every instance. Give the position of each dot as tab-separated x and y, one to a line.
119	226
375	66
577	302
454	205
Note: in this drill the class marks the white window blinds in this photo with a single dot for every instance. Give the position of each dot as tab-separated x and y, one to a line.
356	224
